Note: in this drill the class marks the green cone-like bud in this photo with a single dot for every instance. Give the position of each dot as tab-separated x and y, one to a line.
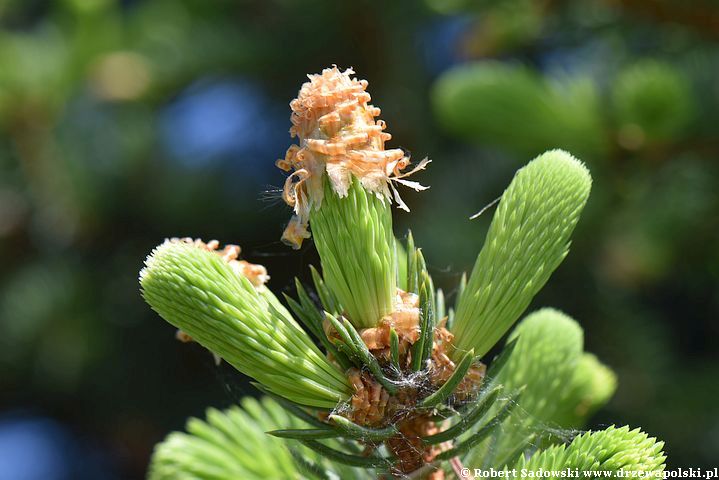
526	242
543	362
592	385
354	238
611	450
341	185
200	293
232	444
228	445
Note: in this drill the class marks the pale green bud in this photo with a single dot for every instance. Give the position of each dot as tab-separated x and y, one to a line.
197	291
526	242
611	450
233	444
354	238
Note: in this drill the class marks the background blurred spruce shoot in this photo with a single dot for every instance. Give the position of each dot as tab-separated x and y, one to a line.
476	102
651	103
384	398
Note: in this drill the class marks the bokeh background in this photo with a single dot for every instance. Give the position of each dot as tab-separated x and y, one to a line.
125	122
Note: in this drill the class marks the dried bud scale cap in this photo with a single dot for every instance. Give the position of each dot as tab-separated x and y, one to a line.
339	137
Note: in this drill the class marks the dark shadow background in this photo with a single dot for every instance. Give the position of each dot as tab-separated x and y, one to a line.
125	122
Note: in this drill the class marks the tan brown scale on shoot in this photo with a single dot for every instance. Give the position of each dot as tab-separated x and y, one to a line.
373	406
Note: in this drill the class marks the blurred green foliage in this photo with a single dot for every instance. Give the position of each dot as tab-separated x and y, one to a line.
652	102
122	123
478	102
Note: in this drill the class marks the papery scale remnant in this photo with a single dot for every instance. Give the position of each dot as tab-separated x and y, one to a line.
339	137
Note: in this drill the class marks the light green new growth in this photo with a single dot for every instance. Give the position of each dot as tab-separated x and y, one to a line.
592	385
198	292
526	242
232	444
612	450
354	238
543	362
401	255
